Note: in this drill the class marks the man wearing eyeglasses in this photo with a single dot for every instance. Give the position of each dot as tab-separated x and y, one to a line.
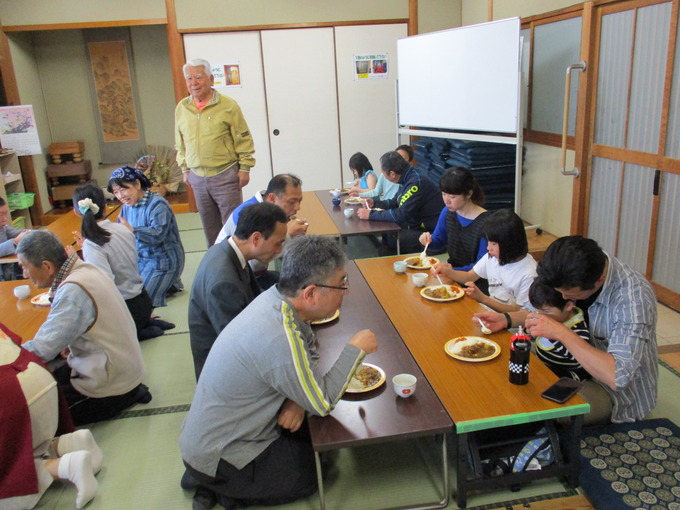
244	441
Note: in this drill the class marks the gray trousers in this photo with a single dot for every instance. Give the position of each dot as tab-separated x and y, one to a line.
216	198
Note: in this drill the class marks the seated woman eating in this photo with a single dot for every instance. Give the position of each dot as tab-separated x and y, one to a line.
151	220
508	267
111	247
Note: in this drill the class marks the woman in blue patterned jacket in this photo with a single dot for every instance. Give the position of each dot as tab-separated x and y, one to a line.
151	220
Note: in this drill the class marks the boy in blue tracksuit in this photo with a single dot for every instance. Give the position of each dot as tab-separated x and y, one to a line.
415	208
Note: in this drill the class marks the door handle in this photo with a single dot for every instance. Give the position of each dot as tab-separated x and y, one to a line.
581	66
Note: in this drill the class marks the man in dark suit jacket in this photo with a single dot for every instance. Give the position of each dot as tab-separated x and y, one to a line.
224	283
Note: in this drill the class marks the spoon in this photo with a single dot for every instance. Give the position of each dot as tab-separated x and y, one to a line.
485	330
424	253
440	280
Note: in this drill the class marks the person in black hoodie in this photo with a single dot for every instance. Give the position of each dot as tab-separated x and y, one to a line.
415	208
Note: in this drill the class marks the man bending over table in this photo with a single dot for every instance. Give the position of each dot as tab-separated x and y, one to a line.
90	322
415	207
620	308
244	441
284	191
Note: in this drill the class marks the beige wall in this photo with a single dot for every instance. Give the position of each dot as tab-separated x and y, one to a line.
477	11
436	15
38	12
237	13
53	75
30	87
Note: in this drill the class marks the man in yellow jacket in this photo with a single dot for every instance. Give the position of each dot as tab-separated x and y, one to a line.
214	147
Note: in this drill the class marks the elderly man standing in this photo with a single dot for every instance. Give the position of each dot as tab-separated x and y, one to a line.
225	284
88	320
244	441
214	147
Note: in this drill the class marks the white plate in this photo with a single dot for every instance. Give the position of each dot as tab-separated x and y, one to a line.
454	346
41	299
354	201
455	292
327	319
355	386
426	264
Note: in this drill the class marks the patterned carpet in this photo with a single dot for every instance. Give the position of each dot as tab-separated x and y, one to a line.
632	465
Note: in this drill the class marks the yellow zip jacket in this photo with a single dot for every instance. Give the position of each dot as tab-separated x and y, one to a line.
210	140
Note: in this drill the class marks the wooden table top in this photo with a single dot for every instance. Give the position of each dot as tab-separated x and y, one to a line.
22	317
311	210
353	225
64	227
477	396
385	415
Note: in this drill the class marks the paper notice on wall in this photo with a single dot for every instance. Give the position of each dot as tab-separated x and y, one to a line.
370	67
18	130
227	75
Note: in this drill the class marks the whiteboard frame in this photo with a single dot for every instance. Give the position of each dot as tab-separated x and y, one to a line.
515	138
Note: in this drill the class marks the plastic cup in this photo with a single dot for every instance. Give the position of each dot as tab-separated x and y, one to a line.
404	385
419	279
399	266
22	291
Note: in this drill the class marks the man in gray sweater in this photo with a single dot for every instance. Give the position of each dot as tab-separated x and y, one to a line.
244	441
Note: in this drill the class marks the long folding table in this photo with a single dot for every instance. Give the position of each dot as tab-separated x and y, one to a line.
378	415
353	226
477	396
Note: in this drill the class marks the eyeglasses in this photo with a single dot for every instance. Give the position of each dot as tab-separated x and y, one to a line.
345	287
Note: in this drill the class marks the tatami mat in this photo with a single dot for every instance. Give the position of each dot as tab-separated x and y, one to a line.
143	467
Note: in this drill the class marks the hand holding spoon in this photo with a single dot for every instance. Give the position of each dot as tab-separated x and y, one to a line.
485	330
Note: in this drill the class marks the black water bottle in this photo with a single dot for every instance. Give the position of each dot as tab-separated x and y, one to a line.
520	347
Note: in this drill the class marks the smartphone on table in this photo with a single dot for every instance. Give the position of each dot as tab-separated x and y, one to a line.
562	390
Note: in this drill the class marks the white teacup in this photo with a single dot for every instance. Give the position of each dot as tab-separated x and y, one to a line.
419	279
348	213
404	385
399	266
336	193
22	291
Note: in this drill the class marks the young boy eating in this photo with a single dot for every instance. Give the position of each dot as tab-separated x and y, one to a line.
554	354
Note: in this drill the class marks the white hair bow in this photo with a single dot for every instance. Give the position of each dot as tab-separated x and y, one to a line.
86	204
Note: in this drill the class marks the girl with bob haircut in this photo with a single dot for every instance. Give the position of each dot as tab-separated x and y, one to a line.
460	228
111	247
507	266
149	217
363	172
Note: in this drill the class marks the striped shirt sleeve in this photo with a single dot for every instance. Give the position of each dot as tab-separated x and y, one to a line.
317	394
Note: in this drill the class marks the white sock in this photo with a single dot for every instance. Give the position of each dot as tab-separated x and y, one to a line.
81	440
77	467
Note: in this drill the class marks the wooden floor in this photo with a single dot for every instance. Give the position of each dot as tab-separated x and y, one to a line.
579	502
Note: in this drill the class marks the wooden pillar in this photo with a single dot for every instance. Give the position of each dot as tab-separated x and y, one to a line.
12	93
412	17
176	52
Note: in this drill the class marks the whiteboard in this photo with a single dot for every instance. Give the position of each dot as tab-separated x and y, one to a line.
461	79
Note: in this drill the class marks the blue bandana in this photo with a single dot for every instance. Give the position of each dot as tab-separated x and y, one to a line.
129	174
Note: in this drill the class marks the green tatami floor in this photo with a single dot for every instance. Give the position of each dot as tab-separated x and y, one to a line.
142	464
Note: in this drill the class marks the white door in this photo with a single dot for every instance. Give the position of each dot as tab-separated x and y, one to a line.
299	74
242	48
368	115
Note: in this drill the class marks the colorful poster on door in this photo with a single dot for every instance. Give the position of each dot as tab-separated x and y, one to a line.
18	131
370	67
227	75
